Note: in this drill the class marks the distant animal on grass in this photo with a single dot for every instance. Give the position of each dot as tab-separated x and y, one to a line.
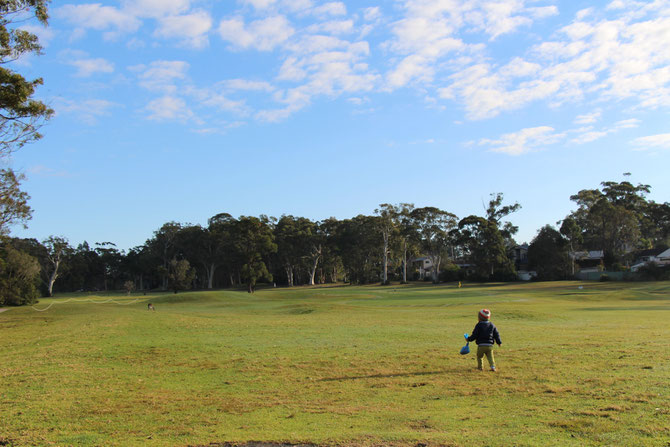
151	307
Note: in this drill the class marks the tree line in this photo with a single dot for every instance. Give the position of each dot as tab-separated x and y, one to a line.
378	248
617	219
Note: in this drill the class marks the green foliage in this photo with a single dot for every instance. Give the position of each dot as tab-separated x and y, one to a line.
358	245
13	202
19	274
653	272
180	275
21	116
618	219
548	255
434	227
254	242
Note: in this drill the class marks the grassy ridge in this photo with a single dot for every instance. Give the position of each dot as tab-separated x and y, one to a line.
342	365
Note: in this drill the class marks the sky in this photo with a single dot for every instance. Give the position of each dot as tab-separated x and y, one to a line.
177	110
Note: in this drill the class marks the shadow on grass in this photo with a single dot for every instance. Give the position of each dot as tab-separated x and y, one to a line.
387	376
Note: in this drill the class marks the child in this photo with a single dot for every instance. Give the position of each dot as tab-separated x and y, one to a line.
484	334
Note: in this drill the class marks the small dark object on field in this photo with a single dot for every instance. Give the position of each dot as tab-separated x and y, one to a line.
151	307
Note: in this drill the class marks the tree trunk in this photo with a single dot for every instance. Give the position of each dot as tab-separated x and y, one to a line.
404	262
210	276
385	277
53	276
289	274
436	268
313	270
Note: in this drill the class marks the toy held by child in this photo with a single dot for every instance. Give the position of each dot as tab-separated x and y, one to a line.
485	334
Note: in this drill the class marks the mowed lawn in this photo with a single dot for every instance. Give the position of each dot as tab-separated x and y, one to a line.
582	364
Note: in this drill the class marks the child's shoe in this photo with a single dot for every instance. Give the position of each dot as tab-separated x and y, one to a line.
493	368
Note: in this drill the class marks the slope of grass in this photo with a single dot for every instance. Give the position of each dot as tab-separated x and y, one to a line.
359	366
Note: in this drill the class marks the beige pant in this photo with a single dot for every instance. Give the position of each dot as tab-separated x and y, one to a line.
485	351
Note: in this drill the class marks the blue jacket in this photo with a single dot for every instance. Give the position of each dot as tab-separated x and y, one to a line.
485	333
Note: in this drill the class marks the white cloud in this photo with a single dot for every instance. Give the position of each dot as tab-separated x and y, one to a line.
244	84
88	67
332	27
624	57
100	18
330	9
523	141
190	29
589	134
588	118
660	141
261	4
263	35
161	75
168	108
156	8
88	110
372	14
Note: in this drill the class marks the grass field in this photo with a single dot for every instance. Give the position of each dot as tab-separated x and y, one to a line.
355	366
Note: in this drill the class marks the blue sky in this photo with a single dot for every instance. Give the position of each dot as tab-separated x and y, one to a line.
176	110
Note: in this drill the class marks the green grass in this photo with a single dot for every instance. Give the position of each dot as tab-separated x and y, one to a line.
362	366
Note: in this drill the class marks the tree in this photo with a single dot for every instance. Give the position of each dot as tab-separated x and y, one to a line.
13	202
55	249
407	233
487	240
616	219
254	241
387	228
162	246
21	116
548	254
19	273
180	275
434	227
129	286
573	234
110	262
357	243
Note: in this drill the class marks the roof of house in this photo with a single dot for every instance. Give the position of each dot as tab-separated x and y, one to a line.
650	252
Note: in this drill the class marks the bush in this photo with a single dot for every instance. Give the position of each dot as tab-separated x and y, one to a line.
653	272
451	272
19	274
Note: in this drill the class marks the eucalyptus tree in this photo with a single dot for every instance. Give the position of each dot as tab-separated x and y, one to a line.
434	227
162	247
21	115
55	249
291	236
387	224
357	242
573	234
110	259
487	240
615	219
548	254
254	243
